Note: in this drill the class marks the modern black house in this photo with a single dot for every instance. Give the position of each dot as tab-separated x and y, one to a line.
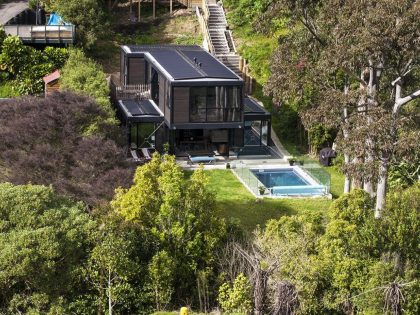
183	96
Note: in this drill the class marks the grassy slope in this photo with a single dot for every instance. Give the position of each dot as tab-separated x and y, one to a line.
180	28
234	201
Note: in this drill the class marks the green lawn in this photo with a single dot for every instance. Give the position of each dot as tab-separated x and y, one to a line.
235	202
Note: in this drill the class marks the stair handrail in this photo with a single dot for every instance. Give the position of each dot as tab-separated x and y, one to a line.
205	29
205	10
232	41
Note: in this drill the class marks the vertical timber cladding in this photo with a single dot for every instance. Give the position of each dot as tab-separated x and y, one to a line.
136	71
181	104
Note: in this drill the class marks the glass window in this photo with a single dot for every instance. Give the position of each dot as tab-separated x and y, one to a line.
215	104
264	132
133	136
155	86
198	104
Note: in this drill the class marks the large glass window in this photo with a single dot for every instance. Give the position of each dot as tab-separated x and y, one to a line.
155	86
215	104
141	135
198	101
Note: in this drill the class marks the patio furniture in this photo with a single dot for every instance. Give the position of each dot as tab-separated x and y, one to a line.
134	155
146	153
205	159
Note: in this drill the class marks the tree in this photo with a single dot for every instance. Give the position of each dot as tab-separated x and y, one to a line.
179	216
64	141
87	15
111	266
44	239
27	66
83	75
236	298
353	60
350	263
161	273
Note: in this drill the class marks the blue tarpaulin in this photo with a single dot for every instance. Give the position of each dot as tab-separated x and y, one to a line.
55	19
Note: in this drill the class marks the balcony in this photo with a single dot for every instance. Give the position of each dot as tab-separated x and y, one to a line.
42	34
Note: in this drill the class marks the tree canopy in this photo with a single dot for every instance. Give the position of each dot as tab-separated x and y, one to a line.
26	66
353	66
82	75
181	221
64	141
43	240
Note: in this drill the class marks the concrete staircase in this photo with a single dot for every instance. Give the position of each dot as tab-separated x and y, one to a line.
232	61
221	38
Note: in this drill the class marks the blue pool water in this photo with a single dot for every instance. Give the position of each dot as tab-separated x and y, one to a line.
287	182
282	177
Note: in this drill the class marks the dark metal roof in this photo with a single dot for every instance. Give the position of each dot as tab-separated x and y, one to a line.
140	111
252	107
186	62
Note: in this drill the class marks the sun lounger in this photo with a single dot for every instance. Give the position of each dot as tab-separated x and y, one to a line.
208	159
134	155
146	153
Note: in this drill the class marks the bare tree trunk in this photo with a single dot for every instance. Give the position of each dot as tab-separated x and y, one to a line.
374	77
109	293
347	179
357	182
386	156
260	288
381	189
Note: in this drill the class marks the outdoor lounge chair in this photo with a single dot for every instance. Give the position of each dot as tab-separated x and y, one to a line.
146	153
205	159
134	155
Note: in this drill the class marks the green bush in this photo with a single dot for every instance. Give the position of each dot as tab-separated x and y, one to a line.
236	298
83	75
27	66
87	15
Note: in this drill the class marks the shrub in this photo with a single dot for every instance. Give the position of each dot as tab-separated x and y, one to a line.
236	298
28	66
46	141
82	75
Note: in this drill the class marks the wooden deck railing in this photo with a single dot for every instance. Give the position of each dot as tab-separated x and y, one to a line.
42	33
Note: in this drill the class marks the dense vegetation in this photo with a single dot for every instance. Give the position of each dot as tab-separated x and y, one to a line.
23	67
84	76
82	232
130	258
64	141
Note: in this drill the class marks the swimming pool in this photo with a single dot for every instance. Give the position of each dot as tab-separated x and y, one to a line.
289	182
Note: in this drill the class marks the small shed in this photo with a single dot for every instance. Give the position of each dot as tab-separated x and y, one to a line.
52	82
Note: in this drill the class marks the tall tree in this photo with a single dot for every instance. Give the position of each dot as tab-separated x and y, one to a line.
44	240
180	218
358	63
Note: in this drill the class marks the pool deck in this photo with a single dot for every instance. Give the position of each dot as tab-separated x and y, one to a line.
221	163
